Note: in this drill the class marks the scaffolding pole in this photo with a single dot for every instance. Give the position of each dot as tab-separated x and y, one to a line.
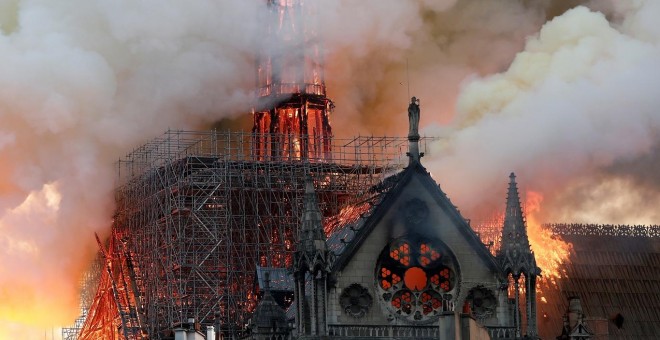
198	211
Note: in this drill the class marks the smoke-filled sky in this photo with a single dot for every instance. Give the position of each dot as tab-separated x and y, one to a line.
566	98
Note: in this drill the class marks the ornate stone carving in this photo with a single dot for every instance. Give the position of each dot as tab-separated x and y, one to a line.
482	302
355	300
415	211
413	118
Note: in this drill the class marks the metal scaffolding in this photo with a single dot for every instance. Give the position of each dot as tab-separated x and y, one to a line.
197	212
89	284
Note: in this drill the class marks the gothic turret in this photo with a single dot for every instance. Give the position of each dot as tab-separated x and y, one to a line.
312	261
312	248
515	254
269	319
516	258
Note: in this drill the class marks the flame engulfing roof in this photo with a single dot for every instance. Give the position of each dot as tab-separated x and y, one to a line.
342	228
615	271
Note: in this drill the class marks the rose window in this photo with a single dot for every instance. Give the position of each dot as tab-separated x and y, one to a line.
416	279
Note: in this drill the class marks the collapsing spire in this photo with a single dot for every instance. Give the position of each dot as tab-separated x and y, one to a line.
515	254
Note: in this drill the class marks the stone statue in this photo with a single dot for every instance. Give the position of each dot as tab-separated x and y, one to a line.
413	117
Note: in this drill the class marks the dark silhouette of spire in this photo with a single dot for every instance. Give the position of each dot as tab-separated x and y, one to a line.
312	246
515	253
516	258
311	262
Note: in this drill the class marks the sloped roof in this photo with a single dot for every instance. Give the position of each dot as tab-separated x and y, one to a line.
346	234
280	278
612	275
343	228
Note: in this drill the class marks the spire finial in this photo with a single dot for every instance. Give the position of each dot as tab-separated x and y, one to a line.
312	220
309	185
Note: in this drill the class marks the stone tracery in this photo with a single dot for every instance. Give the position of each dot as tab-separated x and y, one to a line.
416	278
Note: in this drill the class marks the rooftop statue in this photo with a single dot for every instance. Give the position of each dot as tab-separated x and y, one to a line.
413	117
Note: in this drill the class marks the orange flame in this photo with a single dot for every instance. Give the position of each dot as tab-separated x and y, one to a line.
550	251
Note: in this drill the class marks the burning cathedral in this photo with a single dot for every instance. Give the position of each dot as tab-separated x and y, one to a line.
287	232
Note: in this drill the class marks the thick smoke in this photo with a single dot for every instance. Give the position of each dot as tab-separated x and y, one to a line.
416	48
81	83
576	115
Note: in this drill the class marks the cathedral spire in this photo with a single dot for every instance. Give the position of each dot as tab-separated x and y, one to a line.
312	236
516	258
515	253
514	232
311	262
269	319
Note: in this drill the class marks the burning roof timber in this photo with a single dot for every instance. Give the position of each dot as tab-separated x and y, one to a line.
615	271
197	213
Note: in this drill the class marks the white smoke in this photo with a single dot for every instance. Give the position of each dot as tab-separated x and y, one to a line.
81	83
580	99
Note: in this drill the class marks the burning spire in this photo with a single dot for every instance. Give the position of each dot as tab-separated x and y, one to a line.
292	116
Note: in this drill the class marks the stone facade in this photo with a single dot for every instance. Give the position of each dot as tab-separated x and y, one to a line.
408	265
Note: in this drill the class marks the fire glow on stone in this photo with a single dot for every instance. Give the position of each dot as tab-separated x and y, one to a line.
550	251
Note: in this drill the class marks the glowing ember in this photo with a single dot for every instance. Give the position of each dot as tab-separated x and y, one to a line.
348	214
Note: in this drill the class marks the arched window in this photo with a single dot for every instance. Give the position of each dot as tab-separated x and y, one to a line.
416	278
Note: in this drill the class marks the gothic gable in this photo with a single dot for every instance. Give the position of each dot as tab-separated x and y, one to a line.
410	239
400	196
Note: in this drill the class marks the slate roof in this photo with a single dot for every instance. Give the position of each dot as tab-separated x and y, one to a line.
612	275
280	279
344	227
